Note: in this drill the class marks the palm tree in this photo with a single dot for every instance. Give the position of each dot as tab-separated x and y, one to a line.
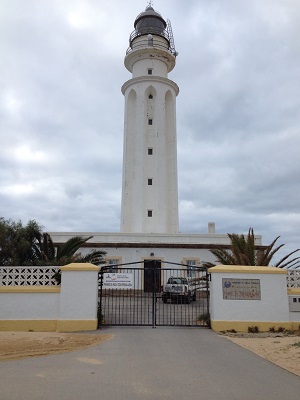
66	253
243	251
28	245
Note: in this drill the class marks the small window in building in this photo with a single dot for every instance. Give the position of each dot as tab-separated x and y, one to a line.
192	267
150	151
294	300
149	213
150	96
150	121
150	71
149	181
112	265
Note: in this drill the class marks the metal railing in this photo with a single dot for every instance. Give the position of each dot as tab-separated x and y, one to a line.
137	296
148	43
151	31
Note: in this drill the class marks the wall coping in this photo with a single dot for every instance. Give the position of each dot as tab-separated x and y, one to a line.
294	291
80	267
246	269
29	289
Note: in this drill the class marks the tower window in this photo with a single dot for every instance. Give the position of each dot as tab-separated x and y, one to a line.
149	213
150	151
150	121
150	96
149	181
150	71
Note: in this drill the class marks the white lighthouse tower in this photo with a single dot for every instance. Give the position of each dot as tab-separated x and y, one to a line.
149	225
150	184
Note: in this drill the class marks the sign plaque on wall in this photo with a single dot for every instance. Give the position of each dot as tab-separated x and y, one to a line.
118	281
241	289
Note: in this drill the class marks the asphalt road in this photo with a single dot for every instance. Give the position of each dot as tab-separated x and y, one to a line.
145	363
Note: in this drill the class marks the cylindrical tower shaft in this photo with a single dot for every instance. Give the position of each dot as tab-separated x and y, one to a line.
150	188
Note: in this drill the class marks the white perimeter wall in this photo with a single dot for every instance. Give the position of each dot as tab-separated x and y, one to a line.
27	305
271	311
71	307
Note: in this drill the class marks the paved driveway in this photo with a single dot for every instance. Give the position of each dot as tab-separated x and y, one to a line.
146	363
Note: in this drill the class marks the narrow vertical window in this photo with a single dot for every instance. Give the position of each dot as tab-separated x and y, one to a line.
149	213
112	264
150	71
150	151
150	121
150	96
149	181
192	265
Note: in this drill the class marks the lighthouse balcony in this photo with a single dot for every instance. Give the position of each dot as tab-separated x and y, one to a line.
143	42
159	40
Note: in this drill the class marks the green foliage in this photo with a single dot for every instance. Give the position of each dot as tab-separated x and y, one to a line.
66	253
19	244
243	251
253	329
280	329
204	317
29	245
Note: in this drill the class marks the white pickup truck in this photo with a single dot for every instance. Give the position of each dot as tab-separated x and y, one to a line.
178	289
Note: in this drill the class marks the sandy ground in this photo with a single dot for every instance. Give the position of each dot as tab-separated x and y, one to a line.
16	345
281	349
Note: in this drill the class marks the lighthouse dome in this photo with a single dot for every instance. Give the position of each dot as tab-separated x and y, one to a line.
150	21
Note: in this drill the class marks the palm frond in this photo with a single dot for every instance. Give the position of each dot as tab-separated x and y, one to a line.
223	256
208	265
280	264
69	248
242	251
94	257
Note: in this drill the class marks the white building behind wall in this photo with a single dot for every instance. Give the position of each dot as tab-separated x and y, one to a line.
149	212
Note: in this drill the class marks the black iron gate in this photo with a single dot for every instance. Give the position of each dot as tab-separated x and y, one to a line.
134	295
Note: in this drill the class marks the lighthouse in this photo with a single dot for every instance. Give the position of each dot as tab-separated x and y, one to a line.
149	233
150	182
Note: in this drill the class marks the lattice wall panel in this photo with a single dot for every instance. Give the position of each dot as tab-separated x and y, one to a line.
293	279
28	276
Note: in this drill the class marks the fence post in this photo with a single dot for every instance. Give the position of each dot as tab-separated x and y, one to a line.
154	295
99	307
78	298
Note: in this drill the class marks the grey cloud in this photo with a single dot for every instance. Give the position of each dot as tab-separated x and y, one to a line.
238	113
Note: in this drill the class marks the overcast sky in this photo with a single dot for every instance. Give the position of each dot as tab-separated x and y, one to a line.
238	113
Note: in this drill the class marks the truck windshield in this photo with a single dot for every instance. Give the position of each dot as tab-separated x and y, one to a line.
177	281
